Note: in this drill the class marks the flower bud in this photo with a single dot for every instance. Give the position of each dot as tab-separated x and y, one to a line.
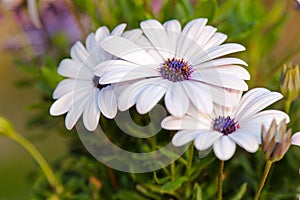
275	141
290	81
6	128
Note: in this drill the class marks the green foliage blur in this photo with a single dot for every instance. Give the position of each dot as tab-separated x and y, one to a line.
253	23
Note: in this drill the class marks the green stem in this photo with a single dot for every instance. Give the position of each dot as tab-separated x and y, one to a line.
287	106
173	171
39	159
190	159
263	179
220	179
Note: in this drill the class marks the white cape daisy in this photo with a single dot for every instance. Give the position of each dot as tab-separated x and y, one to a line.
81	93
224	127
181	65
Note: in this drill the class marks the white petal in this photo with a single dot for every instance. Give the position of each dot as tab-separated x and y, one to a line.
176	100
199	95
183	137
224	148
129	96
296	139
173	31
216	52
205	35
220	61
91	114
225	97
101	33
151	95
90	42
121	75
205	140
215	40
107	101
63	87
155	32
113	65
185	123
76	110
127	50
132	35
80	54
216	78
187	40
62	105
246	140
255	102
233	70
73	69
118	30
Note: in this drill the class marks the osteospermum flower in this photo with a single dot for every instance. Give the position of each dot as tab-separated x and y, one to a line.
225	127
81	93
181	65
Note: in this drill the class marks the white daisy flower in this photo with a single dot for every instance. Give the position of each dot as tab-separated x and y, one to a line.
81	93
225	127
184	66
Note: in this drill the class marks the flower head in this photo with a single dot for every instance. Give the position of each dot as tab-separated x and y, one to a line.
225	127
81	93
290	81
184	66
275	141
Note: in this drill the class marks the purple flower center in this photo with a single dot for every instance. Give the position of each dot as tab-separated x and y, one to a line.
97	84
225	125
175	70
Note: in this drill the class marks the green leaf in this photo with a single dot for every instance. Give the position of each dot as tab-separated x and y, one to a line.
197	192
173	185
239	195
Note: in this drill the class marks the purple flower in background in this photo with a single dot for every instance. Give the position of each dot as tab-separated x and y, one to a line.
54	18
156	6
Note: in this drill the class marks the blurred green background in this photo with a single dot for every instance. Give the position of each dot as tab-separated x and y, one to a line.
269	29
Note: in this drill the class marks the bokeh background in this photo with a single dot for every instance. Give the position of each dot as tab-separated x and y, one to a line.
32	46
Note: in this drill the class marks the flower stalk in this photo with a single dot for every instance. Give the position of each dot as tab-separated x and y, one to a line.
263	179
6	129
220	179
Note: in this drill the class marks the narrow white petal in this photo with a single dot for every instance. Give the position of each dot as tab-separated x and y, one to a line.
205	140
255	103
74	69
118	30
76	111
199	95
129	96
63	87
90	42
224	148
296	139
187	41
233	70
132	35
107	101
151	95
121	75
176	100
246	140
79	53
215	40
173	31
220	62
156	34
185	123
225	97
205	35
183	137
101	33
113	65
127	50
216	52
91	114
62	105
216	78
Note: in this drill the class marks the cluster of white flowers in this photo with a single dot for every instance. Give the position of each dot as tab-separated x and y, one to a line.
202	89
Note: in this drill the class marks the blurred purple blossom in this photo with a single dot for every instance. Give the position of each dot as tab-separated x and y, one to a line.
156	6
